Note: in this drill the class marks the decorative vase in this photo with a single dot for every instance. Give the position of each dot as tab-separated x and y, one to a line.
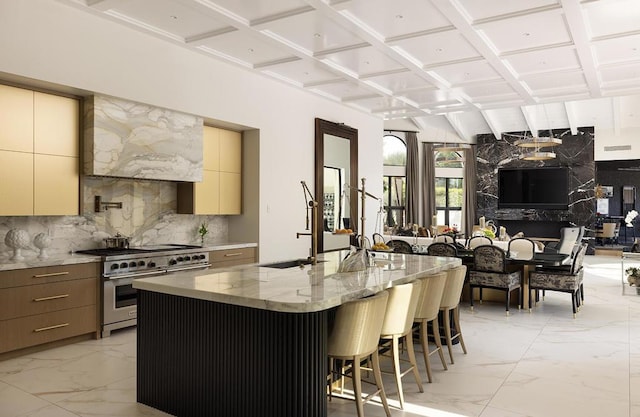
42	241
17	239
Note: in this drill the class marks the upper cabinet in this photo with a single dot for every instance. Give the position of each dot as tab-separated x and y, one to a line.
220	191
39	153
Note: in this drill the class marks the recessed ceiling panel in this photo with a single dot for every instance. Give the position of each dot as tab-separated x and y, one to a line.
625	74
611	17
312	31
438	48
169	16
343	90
467	72
252	10
563	81
362	61
245	47
490	8
617	50
380	103
525	32
486	89
401	81
398	17
554	59
303	72
425	97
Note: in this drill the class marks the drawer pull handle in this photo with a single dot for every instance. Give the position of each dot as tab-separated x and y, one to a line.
53	274
57	326
233	254
53	297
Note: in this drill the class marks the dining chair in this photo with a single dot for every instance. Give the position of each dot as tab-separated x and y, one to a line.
475	241
354	337
450	307
444	238
562	280
427	312
521	248
397	326
569	237
399	246
491	270
442	249
608	232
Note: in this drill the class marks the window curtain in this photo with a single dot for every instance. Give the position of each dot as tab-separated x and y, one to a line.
470	188
428	184
413	181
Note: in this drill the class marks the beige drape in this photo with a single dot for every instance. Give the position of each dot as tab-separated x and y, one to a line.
413	181
470	185
428	184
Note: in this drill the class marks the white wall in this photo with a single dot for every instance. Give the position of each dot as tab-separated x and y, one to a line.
51	42
607	137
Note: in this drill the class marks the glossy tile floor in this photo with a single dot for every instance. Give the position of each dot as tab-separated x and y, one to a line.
542	364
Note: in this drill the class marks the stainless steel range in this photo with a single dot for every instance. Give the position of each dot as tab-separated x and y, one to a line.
120	266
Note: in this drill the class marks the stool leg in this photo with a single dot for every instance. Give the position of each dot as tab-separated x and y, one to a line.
456	324
425	348
378	377
412	359
395	353
357	386
447	333
435	324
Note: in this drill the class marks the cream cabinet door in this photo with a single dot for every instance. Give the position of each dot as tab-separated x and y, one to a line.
230	193
230	151
207	193
211	149
16	119
56	125
16	183
56	185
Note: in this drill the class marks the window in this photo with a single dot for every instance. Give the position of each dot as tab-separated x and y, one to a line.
449	199
394	152
449	159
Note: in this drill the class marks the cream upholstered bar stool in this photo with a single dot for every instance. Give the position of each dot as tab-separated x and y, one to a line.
427	311
397	325
354	337
449	306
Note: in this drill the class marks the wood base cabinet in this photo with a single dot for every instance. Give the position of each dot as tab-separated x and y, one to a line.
42	305
232	257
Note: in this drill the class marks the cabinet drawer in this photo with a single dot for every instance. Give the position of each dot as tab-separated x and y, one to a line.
43	328
37	299
246	254
48	274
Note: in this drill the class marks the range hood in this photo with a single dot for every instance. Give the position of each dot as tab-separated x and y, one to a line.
133	140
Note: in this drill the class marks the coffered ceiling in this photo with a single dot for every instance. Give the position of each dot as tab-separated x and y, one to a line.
476	66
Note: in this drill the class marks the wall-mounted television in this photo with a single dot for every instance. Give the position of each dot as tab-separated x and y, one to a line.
534	188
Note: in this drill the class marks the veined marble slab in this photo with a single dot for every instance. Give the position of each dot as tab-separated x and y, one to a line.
134	140
297	290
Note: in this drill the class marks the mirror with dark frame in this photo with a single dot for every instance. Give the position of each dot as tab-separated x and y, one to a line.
336	183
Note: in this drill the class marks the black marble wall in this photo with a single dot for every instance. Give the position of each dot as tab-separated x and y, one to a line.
618	174
575	152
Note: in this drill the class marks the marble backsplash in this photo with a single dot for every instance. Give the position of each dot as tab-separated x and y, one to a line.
576	153
148	216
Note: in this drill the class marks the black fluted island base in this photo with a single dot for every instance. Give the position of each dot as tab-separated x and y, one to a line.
204	358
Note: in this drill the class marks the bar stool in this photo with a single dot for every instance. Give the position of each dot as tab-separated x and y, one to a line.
427	311
398	320
449	306
354	337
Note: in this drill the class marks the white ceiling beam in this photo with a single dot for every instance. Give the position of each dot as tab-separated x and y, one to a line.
457	126
570	108
529	113
617	119
492	124
576	21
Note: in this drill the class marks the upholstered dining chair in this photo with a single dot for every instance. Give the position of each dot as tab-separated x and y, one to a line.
569	237
397	326
491	270
354	337
607	233
521	248
444	238
450	307
560	279
400	246
475	241
426	312
442	249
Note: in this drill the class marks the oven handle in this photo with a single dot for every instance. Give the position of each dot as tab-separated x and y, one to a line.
187	268
137	274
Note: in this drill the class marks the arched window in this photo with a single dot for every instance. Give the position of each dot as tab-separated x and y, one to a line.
394	152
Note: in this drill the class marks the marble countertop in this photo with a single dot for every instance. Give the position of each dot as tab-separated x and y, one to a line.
31	259
311	288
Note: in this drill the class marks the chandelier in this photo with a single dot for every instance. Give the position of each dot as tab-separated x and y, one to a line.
536	144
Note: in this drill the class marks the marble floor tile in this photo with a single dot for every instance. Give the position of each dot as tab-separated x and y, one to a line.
542	363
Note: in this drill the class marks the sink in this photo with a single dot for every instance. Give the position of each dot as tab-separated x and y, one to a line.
288	264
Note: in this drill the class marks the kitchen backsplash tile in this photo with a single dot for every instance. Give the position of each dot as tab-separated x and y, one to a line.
148	216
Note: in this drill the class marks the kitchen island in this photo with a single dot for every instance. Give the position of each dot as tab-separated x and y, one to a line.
251	340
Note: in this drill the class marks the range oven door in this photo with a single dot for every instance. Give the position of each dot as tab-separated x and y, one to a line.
119	304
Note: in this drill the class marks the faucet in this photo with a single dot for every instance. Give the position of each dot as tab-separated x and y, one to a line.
312	205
